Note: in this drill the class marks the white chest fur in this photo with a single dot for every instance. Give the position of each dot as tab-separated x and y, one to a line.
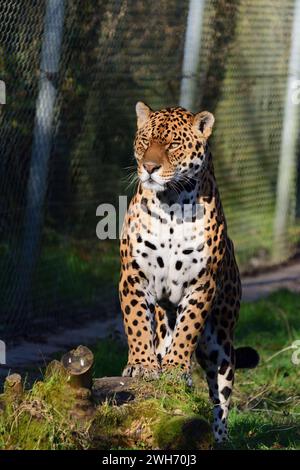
170	248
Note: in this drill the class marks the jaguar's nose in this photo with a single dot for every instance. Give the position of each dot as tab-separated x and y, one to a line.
151	167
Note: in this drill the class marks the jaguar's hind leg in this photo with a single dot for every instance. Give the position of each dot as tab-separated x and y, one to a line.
218	361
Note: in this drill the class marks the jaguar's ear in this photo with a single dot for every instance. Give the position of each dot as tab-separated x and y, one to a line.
142	112
204	122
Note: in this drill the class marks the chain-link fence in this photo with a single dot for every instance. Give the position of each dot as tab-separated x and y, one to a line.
111	54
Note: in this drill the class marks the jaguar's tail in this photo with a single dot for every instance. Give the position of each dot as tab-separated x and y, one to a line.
246	358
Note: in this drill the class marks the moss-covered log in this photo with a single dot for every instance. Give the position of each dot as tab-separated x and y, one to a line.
117	412
139	414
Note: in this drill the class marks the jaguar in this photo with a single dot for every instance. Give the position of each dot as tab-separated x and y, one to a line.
180	287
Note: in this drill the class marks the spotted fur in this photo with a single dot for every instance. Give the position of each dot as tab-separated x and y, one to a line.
180	287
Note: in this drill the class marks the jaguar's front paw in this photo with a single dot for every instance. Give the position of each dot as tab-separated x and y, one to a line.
141	371
181	370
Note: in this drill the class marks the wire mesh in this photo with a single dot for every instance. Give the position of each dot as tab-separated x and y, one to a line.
113	54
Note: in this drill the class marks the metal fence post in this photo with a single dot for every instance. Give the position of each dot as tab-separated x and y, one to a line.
290	135
42	140
191	55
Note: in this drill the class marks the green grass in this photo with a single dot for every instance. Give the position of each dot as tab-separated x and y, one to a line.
266	405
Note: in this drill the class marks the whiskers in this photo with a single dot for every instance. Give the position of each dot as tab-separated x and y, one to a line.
179	183
174	186
182	183
131	179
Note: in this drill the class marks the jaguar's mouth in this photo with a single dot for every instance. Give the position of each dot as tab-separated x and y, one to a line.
150	183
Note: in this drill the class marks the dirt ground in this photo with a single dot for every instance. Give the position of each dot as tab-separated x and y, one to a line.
264	283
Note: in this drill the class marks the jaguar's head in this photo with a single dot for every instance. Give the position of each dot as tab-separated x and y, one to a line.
170	146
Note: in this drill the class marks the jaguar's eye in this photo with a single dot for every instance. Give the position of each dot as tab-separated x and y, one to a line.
145	143
174	145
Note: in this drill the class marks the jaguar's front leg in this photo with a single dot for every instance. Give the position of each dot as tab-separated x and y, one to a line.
191	316
163	333
137	305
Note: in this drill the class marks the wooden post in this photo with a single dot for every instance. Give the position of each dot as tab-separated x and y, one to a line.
13	388
78	364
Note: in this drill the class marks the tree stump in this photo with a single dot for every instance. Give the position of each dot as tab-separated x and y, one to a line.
13	388
78	365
